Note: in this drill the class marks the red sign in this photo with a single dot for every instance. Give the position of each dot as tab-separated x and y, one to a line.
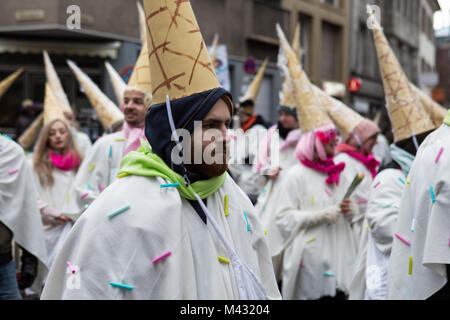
249	66
354	84
126	72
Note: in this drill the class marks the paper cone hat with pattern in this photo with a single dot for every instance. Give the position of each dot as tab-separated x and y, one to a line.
407	116
255	85
435	110
343	117
286	94
106	110
311	113
8	81
118	84
55	83
29	136
52	110
140	78
180	65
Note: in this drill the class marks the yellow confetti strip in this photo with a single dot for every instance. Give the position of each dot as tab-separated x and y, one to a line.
311	240
312	199
265	232
124	174
68	197
410	265
223	259
92	167
226	206
120	140
408	181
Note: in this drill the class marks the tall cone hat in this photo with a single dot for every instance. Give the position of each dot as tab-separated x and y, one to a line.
180	65
52	110
107	111
345	118
407	116
311	113
213	51
140	78
8	81
142	27
286	94
118	84
435	110
253	89
55	83
29	136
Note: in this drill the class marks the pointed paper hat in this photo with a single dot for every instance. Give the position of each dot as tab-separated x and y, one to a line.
55	83
407	116
8	81
345	118
213	50
107	111
29	136
255	85
140	78
286	94
142	28
52	110
118	84
311	113
180	65
435	110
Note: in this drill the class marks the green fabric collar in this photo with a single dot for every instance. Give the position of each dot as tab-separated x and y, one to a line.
144	162
447	118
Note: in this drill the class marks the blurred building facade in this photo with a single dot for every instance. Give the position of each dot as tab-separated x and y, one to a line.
109	32
442	92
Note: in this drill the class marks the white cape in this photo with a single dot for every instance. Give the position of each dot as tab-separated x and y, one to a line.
379	225
18	205
316	260
99	168
82	141
268	202
121	249
430	247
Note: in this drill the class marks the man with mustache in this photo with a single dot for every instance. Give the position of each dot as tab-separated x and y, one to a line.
166	229
101	163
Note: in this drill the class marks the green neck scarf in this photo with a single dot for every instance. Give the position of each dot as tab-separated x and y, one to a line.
447	119
144	162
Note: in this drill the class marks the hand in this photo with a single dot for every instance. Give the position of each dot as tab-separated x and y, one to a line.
63	219
274	173
345	206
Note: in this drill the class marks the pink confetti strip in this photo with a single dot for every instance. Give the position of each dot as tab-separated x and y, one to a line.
101	188
84	195
403	240
70	267
13	171
328	192
439	155
375	186
165	255
302	265
361	201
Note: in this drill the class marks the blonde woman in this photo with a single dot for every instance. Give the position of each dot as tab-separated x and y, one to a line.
55	162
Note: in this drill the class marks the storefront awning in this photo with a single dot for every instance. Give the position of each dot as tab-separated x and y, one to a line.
103	50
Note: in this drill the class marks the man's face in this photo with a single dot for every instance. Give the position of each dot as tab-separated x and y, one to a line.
330	146
288	121
367	148
133	107
243	117
211	138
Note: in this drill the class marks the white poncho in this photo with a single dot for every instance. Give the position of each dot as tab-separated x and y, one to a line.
318	260
98	170
418	270
159	223
18	204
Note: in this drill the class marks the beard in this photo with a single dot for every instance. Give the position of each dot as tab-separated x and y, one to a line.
215	169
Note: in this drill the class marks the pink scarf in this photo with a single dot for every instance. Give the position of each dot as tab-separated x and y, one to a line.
133	135
368	161
327	166
64	162
264	149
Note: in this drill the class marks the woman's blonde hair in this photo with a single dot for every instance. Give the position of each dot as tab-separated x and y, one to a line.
41	159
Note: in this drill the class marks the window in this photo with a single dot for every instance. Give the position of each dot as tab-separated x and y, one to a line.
331	48
334	3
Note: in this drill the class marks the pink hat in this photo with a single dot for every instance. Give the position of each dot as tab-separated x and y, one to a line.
361	133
